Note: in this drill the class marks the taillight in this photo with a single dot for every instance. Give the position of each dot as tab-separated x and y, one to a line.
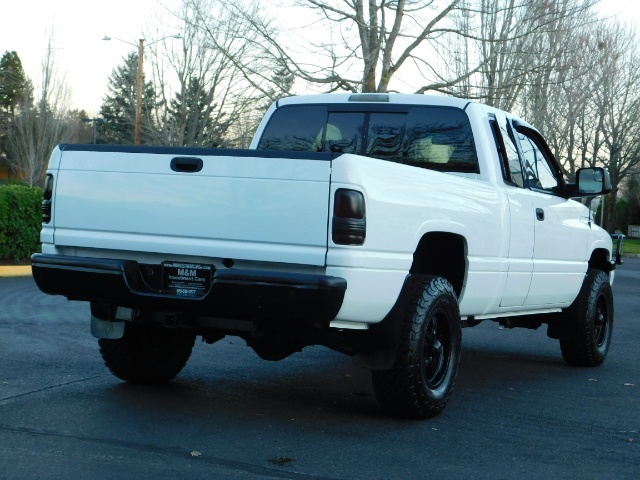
46	202
349	226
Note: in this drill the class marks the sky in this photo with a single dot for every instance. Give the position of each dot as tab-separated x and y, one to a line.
78	26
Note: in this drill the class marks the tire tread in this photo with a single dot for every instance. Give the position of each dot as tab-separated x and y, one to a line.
580	349
399	390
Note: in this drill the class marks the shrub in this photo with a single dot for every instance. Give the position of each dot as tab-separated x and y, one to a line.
20	221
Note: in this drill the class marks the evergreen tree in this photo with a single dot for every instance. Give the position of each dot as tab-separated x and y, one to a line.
13	82
119	106
195	119
13	86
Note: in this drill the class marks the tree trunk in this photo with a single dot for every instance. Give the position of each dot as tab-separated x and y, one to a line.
610	220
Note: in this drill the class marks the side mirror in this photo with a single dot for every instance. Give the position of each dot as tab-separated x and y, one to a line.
593	181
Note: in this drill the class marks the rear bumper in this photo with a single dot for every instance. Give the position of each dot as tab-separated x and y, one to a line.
234	294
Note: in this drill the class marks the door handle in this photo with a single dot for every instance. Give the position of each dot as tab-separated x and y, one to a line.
186	164
540	214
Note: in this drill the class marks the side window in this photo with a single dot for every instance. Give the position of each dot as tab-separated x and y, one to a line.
512	168
539	174
515	167
294	128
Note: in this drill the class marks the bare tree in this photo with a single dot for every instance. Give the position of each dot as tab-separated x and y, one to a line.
484	49
557	95
519	44
573	127
363	45
220	72
541	59
39	126
616	104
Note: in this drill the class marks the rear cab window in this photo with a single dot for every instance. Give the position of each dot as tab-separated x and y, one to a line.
438	138
295	128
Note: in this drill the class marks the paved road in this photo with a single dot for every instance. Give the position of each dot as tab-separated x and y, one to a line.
517	412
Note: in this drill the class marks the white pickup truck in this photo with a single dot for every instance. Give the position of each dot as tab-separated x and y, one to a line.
377	225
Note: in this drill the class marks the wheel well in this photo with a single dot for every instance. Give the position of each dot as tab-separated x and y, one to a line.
444	255
600	260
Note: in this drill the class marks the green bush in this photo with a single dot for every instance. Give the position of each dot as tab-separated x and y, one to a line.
20	221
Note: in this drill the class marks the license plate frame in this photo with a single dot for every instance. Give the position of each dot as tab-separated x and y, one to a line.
186	279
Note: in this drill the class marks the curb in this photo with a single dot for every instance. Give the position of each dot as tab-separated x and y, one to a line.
15	271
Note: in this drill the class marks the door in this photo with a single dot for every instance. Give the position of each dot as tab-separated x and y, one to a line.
560	234
521	224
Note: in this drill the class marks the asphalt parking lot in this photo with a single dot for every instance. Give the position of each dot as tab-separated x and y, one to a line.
518	411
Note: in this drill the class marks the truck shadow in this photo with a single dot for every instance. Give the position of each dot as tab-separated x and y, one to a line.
312	385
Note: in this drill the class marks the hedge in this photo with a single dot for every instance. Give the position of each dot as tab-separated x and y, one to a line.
20	221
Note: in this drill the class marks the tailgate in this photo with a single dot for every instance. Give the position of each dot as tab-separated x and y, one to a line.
241	204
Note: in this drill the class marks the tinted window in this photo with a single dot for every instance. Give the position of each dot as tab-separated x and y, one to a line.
427	137
296	128
510	152
344	132
515	167
538	171
441	139
386	136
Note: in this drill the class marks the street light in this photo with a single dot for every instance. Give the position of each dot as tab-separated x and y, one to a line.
93	120
139	85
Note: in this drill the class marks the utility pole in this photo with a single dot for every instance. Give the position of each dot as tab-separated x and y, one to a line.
139	92
138	128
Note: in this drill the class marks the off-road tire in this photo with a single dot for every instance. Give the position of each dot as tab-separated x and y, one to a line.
147	354
589	322
424	373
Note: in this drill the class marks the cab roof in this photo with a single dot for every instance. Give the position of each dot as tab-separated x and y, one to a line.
382	98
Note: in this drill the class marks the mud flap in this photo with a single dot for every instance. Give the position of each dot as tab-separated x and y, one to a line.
106	329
